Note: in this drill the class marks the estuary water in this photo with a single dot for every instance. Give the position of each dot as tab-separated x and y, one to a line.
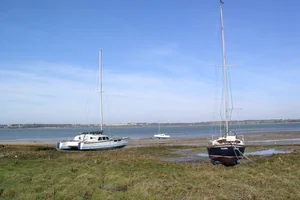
57	134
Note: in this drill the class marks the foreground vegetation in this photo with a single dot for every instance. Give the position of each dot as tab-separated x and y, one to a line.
35	172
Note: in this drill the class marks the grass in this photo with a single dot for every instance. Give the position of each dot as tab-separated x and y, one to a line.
33	172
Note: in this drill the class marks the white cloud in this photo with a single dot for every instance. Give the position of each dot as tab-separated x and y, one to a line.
55	97
185	90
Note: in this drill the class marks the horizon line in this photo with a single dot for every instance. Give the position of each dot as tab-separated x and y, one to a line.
132	123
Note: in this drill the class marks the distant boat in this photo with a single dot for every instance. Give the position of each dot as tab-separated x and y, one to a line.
160	135
93	140
229	148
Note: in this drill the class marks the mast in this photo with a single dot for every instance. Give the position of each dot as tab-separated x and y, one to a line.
159	128
224	71
100	80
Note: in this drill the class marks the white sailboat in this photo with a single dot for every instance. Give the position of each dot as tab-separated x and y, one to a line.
93	140
160	135
229	148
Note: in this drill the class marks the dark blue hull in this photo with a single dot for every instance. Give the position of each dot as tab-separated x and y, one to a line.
227	155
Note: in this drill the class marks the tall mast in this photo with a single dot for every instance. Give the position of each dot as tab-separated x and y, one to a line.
100	80
224	71
159	128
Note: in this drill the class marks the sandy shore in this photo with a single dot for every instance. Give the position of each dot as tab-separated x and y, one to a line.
257	138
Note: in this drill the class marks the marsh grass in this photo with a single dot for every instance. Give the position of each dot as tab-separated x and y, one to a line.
37	172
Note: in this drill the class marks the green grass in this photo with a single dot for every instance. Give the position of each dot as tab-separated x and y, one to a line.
31	172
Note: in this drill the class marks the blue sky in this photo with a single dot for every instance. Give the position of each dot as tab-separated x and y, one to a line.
158	59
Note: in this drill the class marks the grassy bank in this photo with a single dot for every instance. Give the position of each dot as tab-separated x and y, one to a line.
33	172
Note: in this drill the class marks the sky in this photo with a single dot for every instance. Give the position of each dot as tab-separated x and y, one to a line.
161	60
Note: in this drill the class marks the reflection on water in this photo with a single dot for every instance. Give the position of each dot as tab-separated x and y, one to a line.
267	152
202	154
264	152
279	140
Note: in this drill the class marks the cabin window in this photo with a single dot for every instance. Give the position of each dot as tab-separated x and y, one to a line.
91	138
103	138
100	138
79	138
107	138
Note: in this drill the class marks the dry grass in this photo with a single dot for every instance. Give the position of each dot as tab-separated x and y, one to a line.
33	172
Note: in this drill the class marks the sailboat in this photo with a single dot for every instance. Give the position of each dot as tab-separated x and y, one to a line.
93	140
160	135
229	148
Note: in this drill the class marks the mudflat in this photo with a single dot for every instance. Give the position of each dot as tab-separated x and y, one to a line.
149	170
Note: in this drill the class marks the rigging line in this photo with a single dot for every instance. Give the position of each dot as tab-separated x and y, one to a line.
222	101
243	154
222	105
217	90
109	117
239	152
222	113
246	156
235	153
216	99
108	107
230	91
220	84
218	43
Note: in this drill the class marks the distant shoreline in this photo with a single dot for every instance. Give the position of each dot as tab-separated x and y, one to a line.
56	126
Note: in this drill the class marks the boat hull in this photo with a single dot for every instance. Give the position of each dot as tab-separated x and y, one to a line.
90	146
67	145
228	155
162	136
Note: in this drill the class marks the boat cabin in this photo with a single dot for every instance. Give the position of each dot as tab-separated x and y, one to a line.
87	137
103	138
232	140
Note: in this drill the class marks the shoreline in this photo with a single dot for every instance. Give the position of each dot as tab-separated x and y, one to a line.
252	138
155	124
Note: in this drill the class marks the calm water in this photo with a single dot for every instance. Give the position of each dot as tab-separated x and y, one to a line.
267	152
57	134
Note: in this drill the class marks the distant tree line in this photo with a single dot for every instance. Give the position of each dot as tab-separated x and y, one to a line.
270	121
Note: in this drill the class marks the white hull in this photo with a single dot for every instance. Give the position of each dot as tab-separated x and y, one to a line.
112	144
88	141
162	136
67	145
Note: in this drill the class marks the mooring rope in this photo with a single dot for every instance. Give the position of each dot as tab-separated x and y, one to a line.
235	152
244	155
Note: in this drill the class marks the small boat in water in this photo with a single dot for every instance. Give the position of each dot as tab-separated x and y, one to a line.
229	148
162	136
93	140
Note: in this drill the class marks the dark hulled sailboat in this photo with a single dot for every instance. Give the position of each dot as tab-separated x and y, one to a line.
229	148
